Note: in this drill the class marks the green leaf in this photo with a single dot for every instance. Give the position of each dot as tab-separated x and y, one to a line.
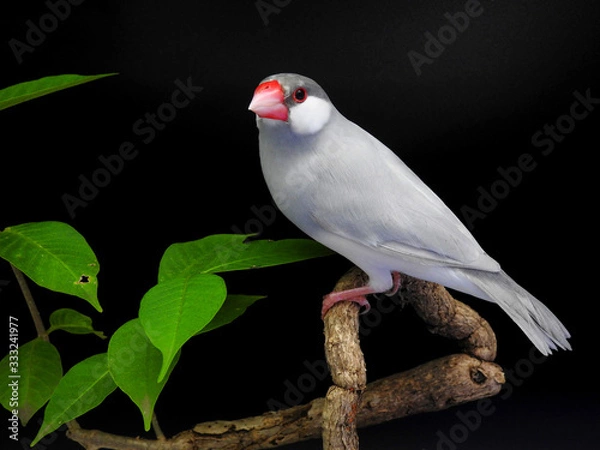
228	252
55	256
234	307
134	364
174	311
29	90
29	380
73	322
83	388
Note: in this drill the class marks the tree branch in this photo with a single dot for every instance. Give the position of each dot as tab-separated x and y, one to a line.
439	310
434	386
347	368
449	317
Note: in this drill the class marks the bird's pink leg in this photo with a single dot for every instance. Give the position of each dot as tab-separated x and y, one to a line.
357	295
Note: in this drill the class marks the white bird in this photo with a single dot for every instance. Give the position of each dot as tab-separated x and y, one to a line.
348	191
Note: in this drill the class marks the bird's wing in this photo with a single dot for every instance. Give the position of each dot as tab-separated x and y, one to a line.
373	198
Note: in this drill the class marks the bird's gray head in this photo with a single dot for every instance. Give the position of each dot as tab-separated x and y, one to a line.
289	99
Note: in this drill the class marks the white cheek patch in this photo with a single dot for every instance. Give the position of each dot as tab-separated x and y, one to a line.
310	116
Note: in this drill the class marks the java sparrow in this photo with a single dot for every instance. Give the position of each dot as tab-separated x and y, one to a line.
348	191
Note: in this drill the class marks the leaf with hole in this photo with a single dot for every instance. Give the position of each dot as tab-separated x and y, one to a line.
55	256
83	388
29	376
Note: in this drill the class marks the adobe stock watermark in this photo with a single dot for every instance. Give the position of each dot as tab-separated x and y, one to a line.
435	44
146	129
544	141
266	8
470	420
317	371
37	31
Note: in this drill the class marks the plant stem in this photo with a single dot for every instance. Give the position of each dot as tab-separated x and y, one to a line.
35	314
157	430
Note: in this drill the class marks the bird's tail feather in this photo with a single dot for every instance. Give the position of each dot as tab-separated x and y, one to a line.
540	325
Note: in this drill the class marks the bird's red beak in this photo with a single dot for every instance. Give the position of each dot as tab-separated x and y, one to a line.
267	102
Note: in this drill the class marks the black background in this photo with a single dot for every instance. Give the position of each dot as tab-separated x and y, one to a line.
474	109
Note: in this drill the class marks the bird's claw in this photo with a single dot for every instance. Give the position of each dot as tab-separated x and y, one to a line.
396	286
357	295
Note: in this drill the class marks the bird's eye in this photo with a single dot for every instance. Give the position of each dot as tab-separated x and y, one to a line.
300	95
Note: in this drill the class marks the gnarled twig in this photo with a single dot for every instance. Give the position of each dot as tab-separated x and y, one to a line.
439	310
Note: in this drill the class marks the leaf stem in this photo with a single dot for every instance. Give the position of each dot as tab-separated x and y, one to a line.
35	314
157	430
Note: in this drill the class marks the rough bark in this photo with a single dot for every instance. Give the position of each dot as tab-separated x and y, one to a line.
439	310
347	368
433	386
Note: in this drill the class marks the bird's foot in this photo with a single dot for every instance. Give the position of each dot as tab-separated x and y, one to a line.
357	295
396	286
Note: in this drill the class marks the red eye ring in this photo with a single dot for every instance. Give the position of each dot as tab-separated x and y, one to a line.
299	95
